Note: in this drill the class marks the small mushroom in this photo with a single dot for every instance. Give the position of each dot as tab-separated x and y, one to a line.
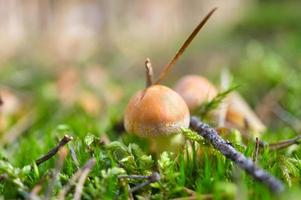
155	111
158	113
195	90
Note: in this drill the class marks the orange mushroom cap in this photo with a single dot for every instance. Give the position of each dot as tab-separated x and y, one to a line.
156	111
195	90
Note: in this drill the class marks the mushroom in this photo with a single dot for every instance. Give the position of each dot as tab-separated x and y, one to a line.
195	90
157	112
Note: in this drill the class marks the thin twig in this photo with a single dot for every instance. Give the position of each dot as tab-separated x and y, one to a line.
256	150
53	151
89	164
285	143
231	153
184	46
149	73
154	177
133	176
138	187
82	179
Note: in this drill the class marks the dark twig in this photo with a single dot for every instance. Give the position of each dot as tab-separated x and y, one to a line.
89	164
53	151
231	153
256	150
154	177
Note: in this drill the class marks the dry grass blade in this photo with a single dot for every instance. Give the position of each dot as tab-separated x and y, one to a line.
36	189
89	164
73	156
184	46
82	179
287	117
30	196
59	164
285	143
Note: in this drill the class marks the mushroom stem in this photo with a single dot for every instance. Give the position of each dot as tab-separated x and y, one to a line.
211	135
149	73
